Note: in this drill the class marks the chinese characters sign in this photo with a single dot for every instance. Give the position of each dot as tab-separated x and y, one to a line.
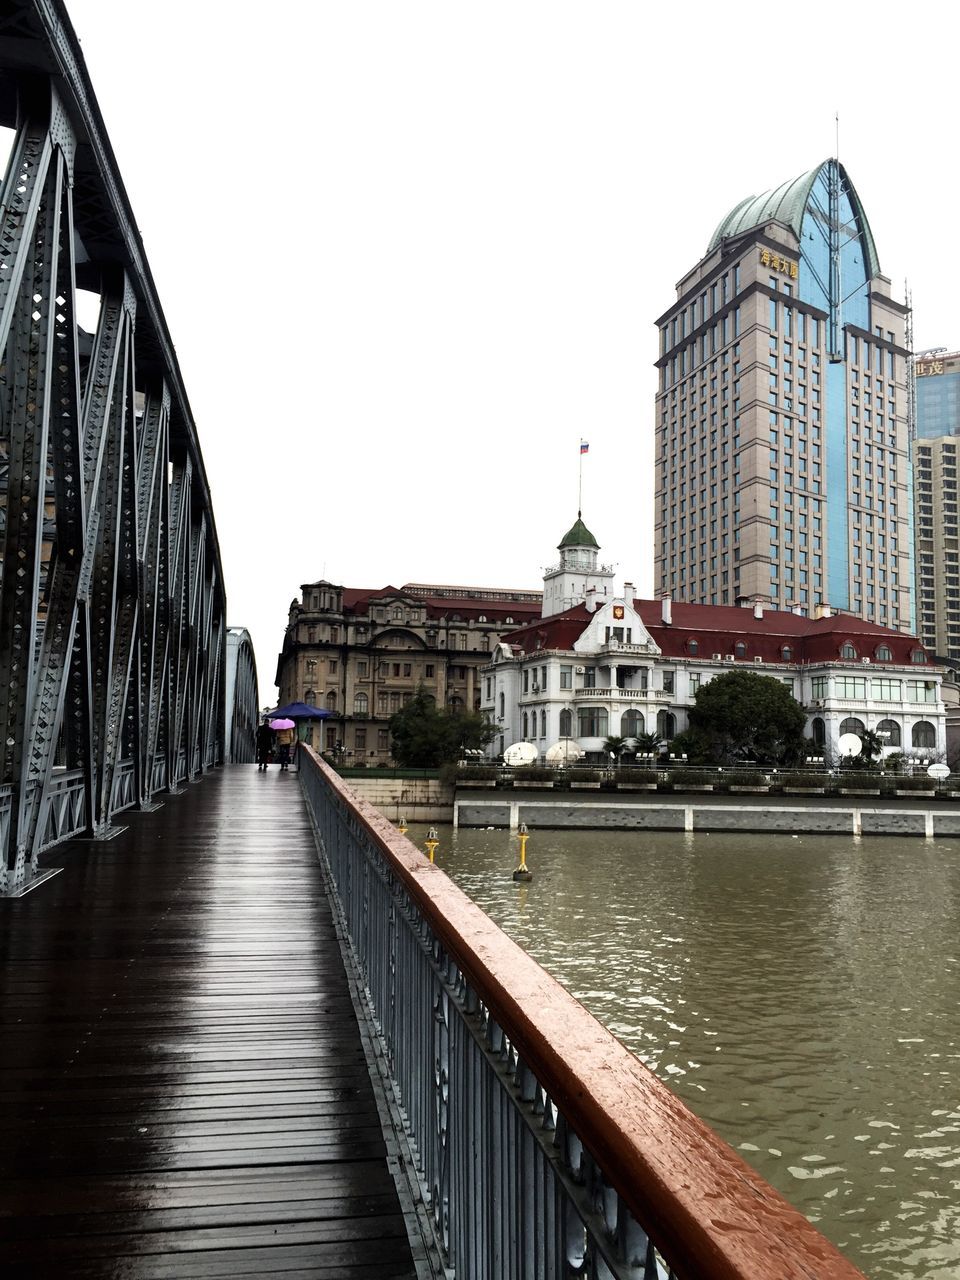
925	368
776	263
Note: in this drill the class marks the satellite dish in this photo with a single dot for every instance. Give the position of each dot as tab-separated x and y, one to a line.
849	745
563	752
520	753
938	771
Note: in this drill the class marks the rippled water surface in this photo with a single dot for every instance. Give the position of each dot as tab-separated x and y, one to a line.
801	995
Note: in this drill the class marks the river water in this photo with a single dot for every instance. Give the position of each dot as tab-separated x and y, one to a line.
802	995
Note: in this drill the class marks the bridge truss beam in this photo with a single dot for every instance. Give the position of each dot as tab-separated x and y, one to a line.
112	606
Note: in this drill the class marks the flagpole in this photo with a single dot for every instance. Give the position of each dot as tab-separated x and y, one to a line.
580	484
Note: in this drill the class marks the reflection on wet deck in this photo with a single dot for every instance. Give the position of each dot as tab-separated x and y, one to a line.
182	1079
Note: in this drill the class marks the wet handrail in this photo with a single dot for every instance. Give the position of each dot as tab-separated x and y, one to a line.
708	1212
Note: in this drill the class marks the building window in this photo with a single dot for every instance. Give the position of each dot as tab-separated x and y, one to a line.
786	653
917	655
360	739
566	677
359	704
543	724
362	669
847	651
851	687
668	681
566	723
924	734
592	722
631	723
888	731
383	739
818	731
590	678
740	649
331	700
666	725
818	687
886	690
882	653
693	647
428	671
501	706
851	725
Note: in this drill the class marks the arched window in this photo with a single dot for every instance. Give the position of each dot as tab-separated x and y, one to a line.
631	723
693	647
666	725
888	732
847	651
501	706
740	649
852	725
359	704
455	703
332	700
310	697
524	724
543	724
397	612
924	734
786	653
566	723
482	618
917	655
882	653
592	722
818	731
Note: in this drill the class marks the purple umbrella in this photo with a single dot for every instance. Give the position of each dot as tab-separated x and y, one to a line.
282	724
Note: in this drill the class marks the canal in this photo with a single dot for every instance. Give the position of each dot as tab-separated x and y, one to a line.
801	994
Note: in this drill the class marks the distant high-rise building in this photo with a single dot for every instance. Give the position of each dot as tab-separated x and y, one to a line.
782	459
935	501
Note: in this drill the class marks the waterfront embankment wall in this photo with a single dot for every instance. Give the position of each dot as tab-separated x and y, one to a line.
498	810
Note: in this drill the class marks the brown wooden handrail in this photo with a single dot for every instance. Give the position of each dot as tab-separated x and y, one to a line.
710	1214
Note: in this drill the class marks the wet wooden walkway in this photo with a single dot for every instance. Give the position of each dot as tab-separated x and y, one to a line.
183	1087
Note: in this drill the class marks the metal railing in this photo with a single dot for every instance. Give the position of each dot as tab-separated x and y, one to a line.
545	1149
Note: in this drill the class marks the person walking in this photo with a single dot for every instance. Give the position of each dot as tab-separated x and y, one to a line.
264	744
284	744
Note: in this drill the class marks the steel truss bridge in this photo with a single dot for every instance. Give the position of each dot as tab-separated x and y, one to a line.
112	609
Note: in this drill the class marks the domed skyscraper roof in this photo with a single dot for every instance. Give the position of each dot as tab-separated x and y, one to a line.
788	204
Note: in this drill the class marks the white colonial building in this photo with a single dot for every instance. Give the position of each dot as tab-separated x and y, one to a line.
600	663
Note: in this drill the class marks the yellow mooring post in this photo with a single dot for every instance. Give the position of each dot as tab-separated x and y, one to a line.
431	842
521	872
402	826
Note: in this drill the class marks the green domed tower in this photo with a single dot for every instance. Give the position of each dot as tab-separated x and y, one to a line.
578	576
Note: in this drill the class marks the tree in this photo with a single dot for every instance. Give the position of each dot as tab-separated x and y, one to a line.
425	737
743	716
648	744
615	746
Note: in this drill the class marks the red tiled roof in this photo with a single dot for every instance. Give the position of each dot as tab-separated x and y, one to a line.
717	628
357	600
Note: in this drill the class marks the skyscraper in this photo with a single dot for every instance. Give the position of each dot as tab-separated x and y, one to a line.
935	501
782	450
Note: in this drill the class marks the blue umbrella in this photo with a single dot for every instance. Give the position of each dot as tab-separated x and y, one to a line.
300	711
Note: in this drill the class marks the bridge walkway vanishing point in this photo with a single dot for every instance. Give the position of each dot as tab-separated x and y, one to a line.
183	1082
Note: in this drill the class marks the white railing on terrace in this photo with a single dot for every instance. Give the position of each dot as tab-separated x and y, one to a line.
544	1148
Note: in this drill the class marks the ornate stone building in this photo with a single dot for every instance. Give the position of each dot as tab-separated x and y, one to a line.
609	664
362	654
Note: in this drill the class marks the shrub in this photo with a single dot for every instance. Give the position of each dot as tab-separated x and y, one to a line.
744	778
858	781
474	772
532	773
680	778
584	775
628	773
810	779
918	782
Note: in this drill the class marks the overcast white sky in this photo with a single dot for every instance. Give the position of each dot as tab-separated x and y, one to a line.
410	253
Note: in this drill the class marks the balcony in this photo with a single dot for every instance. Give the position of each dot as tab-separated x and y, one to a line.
625	695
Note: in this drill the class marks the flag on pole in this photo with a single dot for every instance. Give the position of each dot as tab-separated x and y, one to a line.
584	446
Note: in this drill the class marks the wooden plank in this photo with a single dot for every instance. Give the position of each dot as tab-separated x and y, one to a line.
181	1073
